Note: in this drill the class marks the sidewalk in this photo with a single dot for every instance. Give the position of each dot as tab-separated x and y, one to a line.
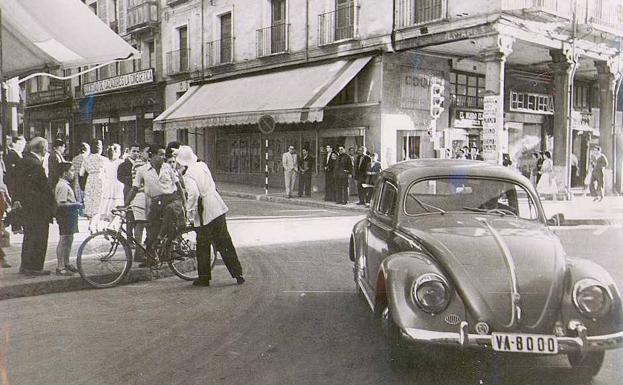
579	211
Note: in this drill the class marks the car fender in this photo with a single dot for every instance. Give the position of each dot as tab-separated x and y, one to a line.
578	269
398	273
358	239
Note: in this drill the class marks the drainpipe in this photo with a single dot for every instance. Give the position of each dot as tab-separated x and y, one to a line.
203	64
615	166
392	36
569	136
306	31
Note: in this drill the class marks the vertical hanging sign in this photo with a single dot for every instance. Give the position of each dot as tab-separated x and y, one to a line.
490	131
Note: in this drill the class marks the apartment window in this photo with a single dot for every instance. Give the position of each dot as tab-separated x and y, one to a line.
183	45
344	19
428	10
226	39
581	98
467	90
278	26
151	51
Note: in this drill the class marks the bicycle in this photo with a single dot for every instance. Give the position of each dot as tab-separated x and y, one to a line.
105	257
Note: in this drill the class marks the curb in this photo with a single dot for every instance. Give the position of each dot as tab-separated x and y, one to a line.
292	201
45	285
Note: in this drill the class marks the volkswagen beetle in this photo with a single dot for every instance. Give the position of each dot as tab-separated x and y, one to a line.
459	253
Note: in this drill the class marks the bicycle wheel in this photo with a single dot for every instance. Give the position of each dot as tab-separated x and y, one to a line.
183	255
104	259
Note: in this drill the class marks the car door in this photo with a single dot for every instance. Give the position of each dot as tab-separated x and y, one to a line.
381	229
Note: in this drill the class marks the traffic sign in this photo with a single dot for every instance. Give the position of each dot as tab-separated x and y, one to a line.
266	124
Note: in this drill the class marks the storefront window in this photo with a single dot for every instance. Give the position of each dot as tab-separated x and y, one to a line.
467	90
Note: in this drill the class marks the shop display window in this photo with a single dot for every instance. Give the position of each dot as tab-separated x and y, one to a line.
467	90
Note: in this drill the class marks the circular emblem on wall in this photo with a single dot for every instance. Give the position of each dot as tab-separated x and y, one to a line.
266	124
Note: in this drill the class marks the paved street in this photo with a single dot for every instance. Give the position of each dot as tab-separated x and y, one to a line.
297	320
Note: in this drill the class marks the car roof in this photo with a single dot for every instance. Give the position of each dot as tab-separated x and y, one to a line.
409	170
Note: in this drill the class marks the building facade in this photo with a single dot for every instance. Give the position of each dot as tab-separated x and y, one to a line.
515	76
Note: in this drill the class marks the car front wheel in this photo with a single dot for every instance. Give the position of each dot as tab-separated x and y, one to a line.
586	366
400	355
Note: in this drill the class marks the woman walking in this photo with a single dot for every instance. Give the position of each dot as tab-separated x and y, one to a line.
547	183
112	192
93	168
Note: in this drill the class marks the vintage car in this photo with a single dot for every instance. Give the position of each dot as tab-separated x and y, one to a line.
459	253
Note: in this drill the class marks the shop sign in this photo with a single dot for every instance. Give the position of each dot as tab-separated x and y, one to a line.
490	134
117	82
580	121
467	119
415	89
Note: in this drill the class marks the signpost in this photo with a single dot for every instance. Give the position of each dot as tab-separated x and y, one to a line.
490	134
266	125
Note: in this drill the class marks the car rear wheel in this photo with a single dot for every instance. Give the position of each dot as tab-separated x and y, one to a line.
586	366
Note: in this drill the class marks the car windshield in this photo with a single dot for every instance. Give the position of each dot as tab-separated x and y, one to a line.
467	194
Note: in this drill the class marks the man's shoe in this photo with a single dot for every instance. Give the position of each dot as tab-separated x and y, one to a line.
71	268
201	282
5	264
239	280
64	272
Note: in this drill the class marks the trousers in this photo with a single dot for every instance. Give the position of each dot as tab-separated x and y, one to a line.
216	233
35	244
290	178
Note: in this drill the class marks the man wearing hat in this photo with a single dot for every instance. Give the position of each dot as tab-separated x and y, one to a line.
207	210
54	161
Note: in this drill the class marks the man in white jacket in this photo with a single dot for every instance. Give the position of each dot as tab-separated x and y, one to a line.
207	210
290	163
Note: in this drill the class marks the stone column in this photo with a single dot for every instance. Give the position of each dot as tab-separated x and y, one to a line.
494	58
607	82
562	65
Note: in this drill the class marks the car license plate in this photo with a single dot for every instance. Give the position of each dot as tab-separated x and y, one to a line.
525	343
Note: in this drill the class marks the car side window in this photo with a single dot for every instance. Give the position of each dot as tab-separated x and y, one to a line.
387	199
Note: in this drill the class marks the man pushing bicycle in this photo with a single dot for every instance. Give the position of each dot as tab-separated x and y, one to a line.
162	187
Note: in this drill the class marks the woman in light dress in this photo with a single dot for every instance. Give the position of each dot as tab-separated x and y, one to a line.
547	183
93	167
112	192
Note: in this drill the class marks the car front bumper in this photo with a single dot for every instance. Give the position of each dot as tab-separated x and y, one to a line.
581	343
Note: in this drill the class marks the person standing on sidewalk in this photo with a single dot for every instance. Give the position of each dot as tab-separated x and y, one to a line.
66	217
329	181
93	168
12	159
290	165
597	176
5	201
306	168
125	175
361	173
54	162
343	168
209	220
80	181
373	170
36	200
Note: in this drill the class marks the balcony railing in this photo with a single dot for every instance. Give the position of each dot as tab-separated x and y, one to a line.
219	52
141	14
48	96
338	25
272	40
418	12
608	13
178	61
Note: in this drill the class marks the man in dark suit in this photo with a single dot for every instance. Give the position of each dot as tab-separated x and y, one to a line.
35	199
125	175
306	168
361	173
342	169
11	160
329	181
54	162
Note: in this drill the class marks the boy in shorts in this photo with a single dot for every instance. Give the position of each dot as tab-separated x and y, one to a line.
67	211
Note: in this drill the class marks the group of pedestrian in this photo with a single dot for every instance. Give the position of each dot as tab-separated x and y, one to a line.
294	166
340	166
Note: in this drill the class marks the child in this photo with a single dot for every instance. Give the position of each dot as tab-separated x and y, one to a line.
66	217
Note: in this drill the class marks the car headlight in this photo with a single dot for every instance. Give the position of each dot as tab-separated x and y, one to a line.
591	297
431	293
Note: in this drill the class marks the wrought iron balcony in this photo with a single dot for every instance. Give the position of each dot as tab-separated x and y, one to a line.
142	14
48	96
338	25
272	40
219	52
417	12
178	62
605	13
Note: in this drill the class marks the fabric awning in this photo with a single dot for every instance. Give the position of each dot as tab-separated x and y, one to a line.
291	96
37	33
